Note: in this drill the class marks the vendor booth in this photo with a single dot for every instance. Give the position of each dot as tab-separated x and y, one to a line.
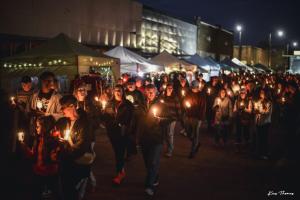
133	63
60	55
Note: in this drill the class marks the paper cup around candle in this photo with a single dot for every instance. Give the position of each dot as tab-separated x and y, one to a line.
39	104
21	136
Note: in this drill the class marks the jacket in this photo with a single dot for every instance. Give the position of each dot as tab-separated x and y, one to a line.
263	112
223	110
54	107
198	105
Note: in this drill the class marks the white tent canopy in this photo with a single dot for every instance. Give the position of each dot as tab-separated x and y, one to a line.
242	65
172	63
132	62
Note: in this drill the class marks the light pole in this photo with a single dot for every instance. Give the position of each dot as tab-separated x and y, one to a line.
239	28
280	33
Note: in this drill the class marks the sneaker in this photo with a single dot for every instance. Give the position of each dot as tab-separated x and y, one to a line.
168	154
183	132
197	148
156	183
119	178
149	191
122	173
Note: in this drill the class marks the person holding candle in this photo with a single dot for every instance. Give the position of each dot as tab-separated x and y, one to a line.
44	155
223	115
172	113
85	105
195	109
20	100
137	99
151	138
46	100
212	92
77	153
183	89
243	115
117	117
263	113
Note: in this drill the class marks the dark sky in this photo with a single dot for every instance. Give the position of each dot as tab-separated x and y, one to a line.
258	17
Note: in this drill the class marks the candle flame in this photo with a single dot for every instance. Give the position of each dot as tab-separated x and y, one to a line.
154	110
21	136
187	104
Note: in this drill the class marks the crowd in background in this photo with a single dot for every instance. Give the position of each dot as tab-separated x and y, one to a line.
56	134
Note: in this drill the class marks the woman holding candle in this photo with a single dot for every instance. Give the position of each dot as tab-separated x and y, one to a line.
84	104
77	153
44	155
243	115
117	116
263	113
223	114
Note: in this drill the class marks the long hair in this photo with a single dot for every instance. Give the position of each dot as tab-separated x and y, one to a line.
47	124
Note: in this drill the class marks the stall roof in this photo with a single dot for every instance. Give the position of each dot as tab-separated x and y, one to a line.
130	60
61	45
168	60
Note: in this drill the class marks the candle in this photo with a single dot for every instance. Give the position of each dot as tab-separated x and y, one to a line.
200	85
208	90
67	134
21	136
228	93
218	101
283	99
103	103
162	101
96	98
242	104
278	91
154	111
183	93
187	104
256	105
39	104
164	87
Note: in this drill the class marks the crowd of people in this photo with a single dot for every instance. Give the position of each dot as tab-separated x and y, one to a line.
142	114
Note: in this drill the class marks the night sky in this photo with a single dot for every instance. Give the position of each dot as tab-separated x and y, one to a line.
258	17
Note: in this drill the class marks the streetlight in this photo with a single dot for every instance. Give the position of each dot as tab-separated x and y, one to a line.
280	33
295	44
239	28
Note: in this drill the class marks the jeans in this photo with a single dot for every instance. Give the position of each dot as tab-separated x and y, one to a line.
242	131
151	155
193	131
170	136
221	130
119	144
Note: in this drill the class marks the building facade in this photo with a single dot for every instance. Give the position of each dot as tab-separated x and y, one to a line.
104	24
214	41
251	55
162	32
